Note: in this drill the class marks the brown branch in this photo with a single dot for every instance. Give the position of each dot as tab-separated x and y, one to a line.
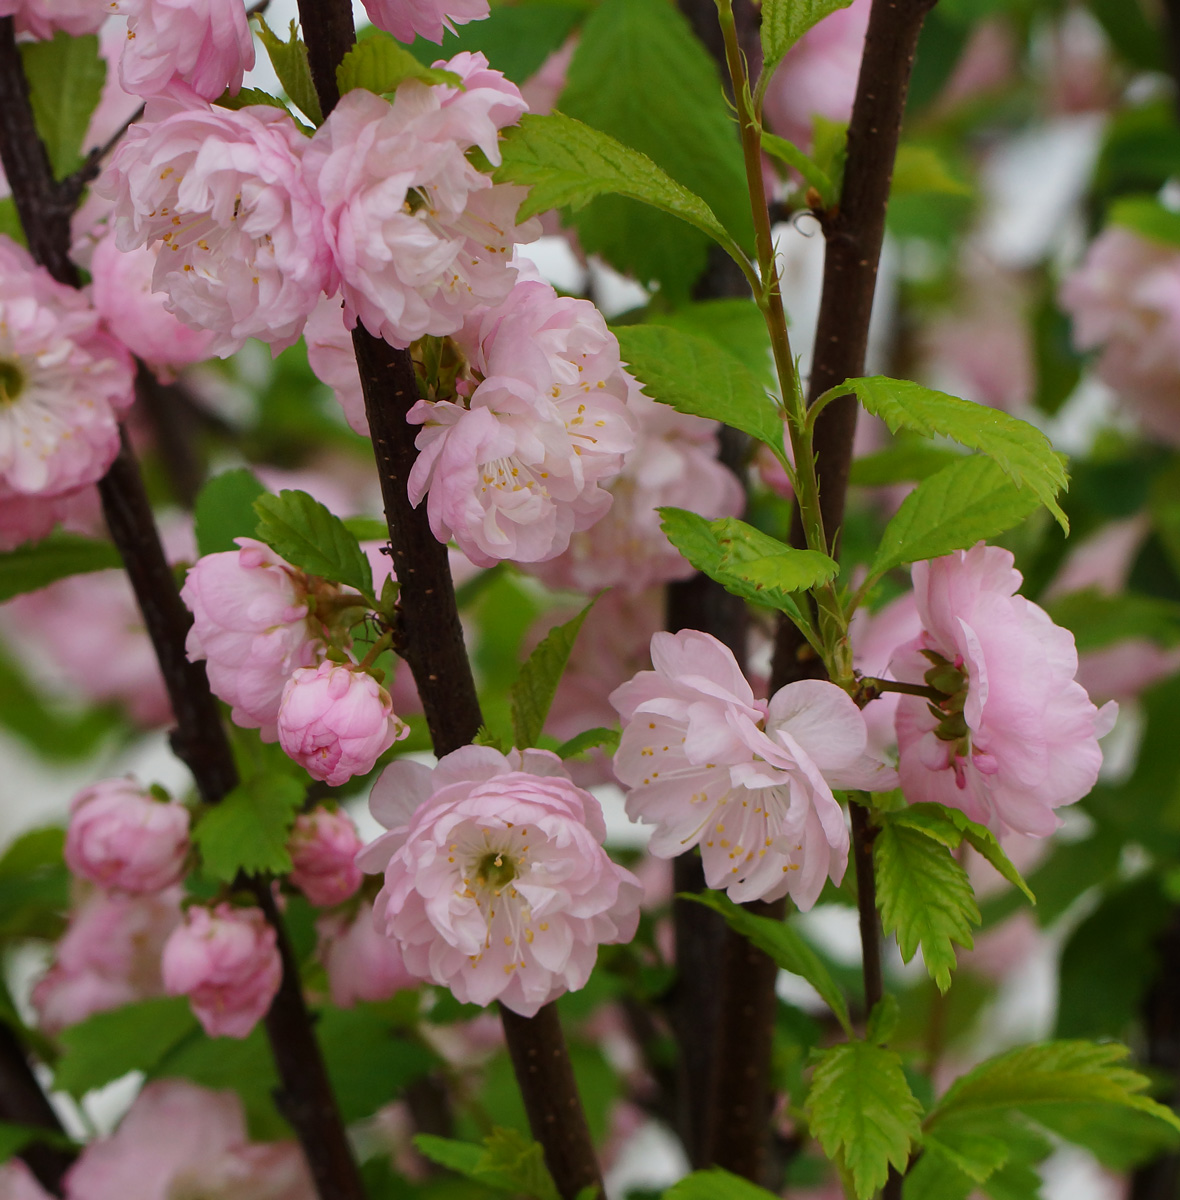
24	1103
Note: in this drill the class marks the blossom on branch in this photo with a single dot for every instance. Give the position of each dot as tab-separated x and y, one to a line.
323	845
361	962
407	19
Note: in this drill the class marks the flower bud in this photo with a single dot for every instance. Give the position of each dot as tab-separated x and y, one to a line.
324	846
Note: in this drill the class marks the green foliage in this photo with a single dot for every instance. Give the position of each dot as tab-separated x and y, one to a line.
507	1162
225	510
536	685
919	169
715	1184
590	739
248	830
1130	32
289	60
784	22
107	1045
10	225
65	83
1019	448
737	326
250	96
14	1138
34	885
906	461
786	947
694	375
309	536
969	500
1147	217
38	564
1097	619
811	171
378	64
861	1111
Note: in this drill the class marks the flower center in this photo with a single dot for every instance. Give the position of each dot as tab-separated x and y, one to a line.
12	380
495	870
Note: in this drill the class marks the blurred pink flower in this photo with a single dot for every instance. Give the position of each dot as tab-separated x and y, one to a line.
1126	668
323	846
362	963
406	19
496	882
331	356
541	90
17	1182
875	639
28	518
41	19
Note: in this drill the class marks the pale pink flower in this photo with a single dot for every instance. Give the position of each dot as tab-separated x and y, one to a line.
514	471
17	1182
406	19
179	1140
496	882
226	962
204	43
63	383
323	846
108	957
251	624
674	462
1103	560
222	193
121	288
540	91
419	236
875	638
1015	736
41	19
28	518
748	781
125	838
361	962
1122	670
331	356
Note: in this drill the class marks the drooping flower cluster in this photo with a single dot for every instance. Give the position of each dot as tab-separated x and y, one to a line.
496	882
406	19
514	470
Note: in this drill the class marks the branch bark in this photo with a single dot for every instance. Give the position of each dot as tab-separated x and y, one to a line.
24	1103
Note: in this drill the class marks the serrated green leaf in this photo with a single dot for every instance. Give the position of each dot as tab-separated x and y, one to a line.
811	171
105	1046
58	556
861	1111
882	1023
536	685
766	563
784	22
367	529
520	1161
924	896
248	830
378	64
225	510
715	1183
971	500
307	535
450	1153
781	943
922	169
248	97
694	375
1021	449
736	325
906	462
65	84
289	60
591	739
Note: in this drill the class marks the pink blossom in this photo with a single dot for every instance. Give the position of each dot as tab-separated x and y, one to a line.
1122	670
17	1182
419	236
748	781
323	846
41	19
222	193
542	89
124	838
406	19
674	462
331	356
204	43
108	957
251	624
226	962
179	1140
362	963
28	518
1015	736
121	289
516	470
63	383
875	638
496	882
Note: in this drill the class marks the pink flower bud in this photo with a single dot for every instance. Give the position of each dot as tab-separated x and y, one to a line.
227	963
324	846
336	720
362	963
123	837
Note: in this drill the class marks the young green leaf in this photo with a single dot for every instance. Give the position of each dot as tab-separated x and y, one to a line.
225	510
736	325
862	1112
924	896
65	83
451	1153
781	943
591	739
1147	217
248	830
368	529
811	171
922	169
378	64
1021	449
694	375
908	461
307	535
766	563
784	22
507	1161
715	1183
249	96
536	685
289	60
970	500
58	556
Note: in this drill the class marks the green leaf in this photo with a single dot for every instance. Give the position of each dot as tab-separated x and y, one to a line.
784	22
307	535
10	225
1096	619
861	1111
694	375
715	1183
971	500
905	462
58	556
65	83
248	830
924	896
1021	449
1147	217
248	97
462	1157
766	563
778	940
378	64
289	60
107	1045
922	169
591	739
829	149
34	885
507	1161
536	685
736	325
811	171
225	510
368	529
